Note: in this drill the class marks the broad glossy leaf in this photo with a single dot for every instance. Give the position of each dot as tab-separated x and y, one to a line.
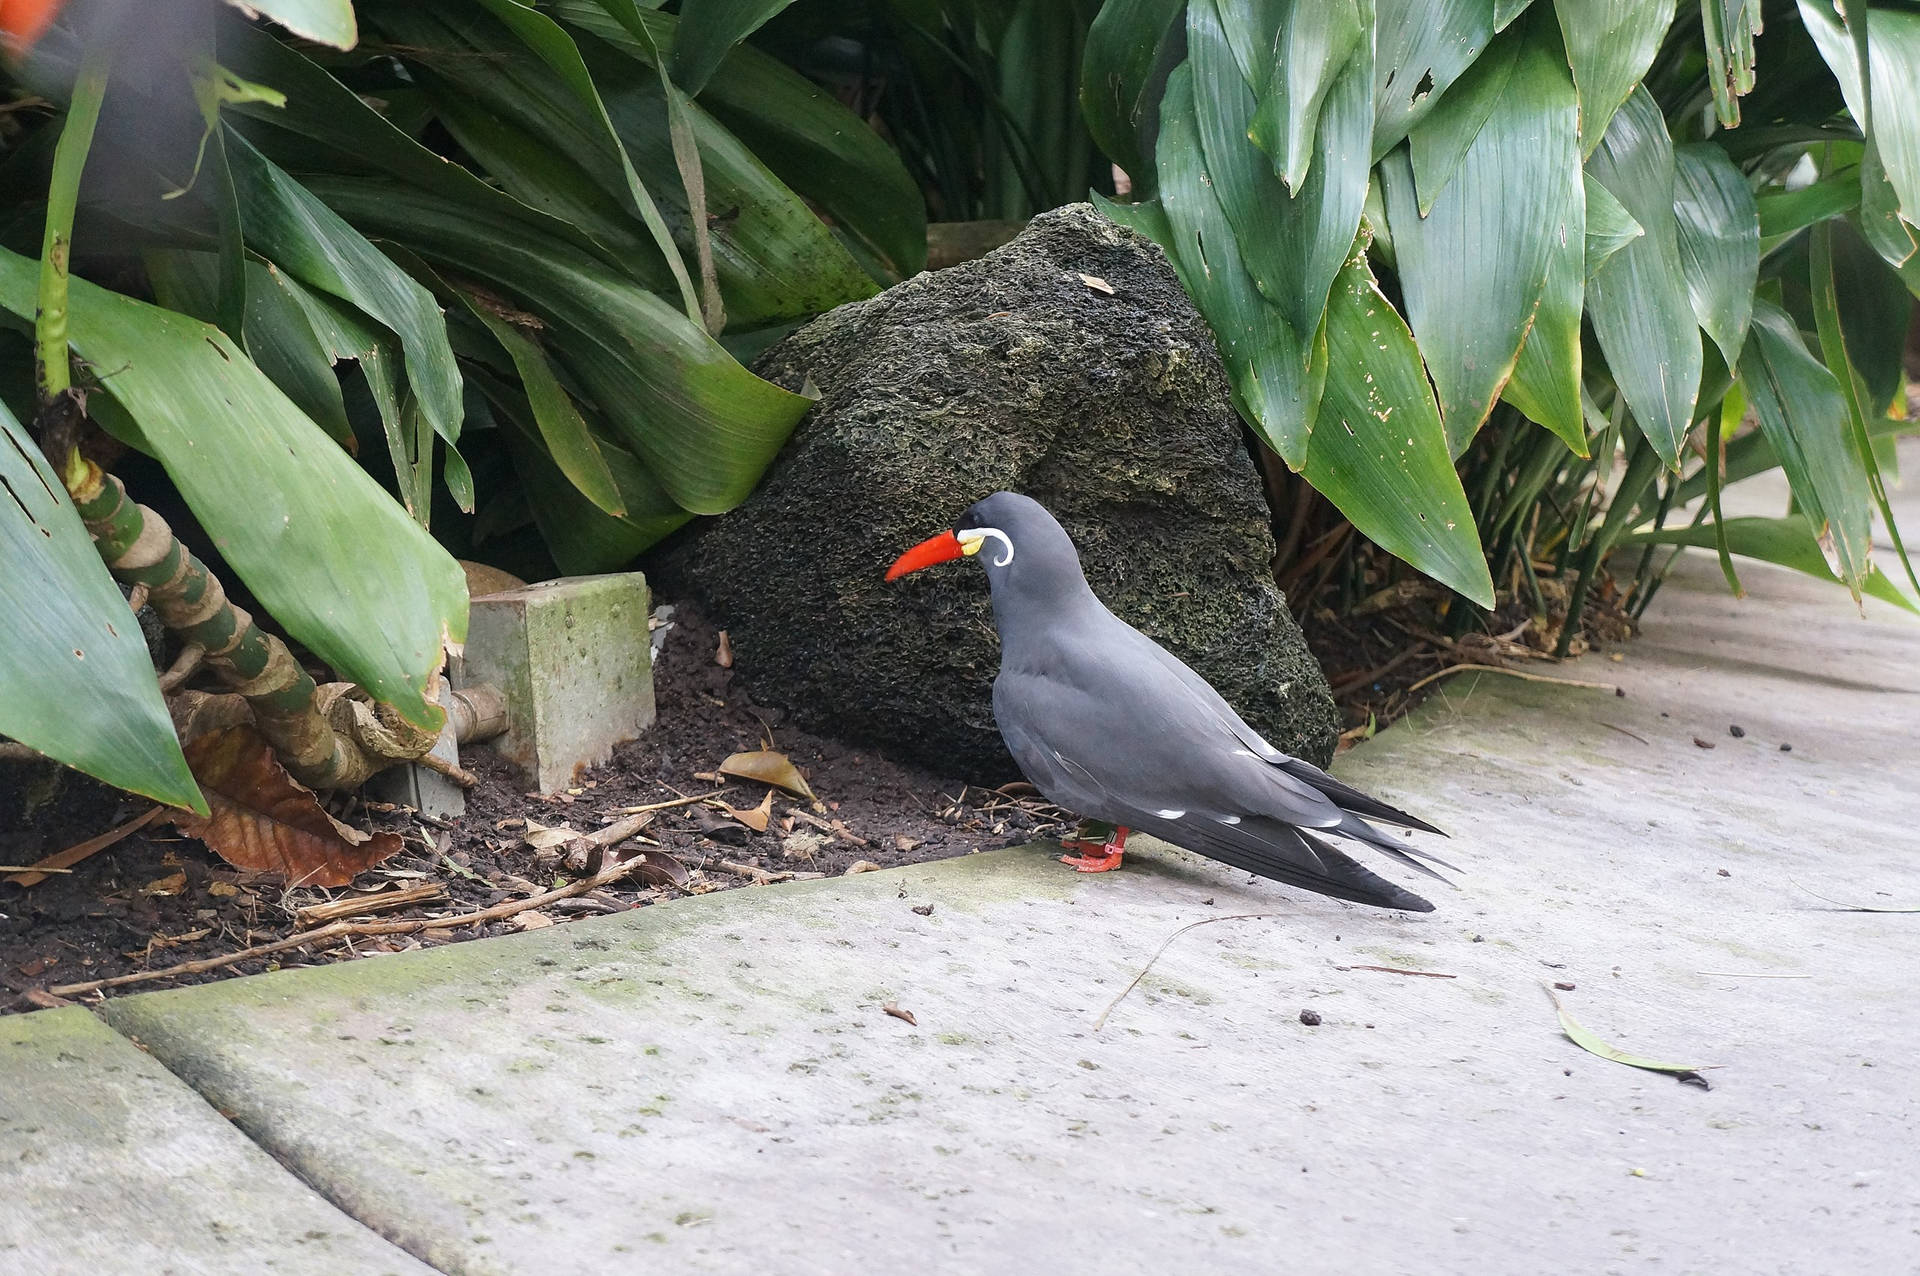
1312	43
1276	370
1420	48
1729	27
1784	542
79	685
1803	411
1131	47
1472	269
1610	227
305	238
322	21
1610	44
1378	450
705	425
1545	385
708	29
1876	311
1439	142
1505	11
331	556
1719	236
563	430
1292	244
1782	212
1638	299
280	339
821	150
1892	118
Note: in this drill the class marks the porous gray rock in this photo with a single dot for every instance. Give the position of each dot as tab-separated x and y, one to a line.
1068	365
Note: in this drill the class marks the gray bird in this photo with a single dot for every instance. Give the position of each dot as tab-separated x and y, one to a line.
1110	725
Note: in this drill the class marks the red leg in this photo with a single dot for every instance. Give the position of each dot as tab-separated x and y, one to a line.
1098	857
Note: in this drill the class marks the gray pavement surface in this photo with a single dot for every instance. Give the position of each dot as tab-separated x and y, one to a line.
109	1163
716	1085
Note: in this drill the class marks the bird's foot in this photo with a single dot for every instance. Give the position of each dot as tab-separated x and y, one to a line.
1096	857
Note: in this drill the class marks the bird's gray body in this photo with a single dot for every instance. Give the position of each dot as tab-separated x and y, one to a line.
1108	724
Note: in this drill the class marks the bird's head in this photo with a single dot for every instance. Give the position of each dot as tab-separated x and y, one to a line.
1013	537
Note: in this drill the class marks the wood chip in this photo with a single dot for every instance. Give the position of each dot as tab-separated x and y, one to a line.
1096	283
724	655
862	866
898	1013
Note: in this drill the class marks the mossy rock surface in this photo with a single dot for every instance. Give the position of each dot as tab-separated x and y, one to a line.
1011	372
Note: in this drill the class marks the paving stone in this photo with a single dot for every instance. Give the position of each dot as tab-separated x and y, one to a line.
108	1164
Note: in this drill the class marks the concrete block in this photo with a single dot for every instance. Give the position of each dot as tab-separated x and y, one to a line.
573	660
426	791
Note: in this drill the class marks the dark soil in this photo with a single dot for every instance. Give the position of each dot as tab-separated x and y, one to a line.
158	899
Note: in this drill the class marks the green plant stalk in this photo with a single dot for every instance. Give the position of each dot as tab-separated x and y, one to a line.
139	548
52	368
1716	449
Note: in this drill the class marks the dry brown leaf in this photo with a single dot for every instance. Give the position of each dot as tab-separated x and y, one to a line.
264	820
768	767
1098	284
724	656
543	836
757	817
171	884
898	1013
532	919
222	890
862	866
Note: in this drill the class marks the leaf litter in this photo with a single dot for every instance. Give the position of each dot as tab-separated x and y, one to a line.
1686	1074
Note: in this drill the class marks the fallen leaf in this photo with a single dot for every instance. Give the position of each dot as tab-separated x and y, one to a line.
925	910
1854	908
898	1013
1688	1074
862	866
545	836
756	818
263	819
724	655
171	884
222	890
1098	284
768	767
657	868
905	844
801	846
532	919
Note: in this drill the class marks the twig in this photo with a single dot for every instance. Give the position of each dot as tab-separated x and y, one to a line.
358	905
1745	974
1356	681
1623	731
1399	970
80	850
1511	673
28	868
760	876
663	806
343	930
453	771
1101	1022
1852	908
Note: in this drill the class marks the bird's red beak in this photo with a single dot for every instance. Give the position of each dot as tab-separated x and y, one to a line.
24	21
935	549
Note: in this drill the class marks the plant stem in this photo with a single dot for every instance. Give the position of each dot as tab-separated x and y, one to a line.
52	367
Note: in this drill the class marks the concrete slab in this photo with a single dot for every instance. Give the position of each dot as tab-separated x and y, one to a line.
715	1085
108	1164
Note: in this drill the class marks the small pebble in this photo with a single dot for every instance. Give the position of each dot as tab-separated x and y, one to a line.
1705	744
925	910
1311	1018
1724	873
1621	692
1737	732
1786	748
1563	986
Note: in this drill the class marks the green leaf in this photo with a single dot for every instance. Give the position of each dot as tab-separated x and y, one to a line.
1276	370
1420	48
328	22
1312	43
79	685
1610	227
1875	312
1439	142
1729	27
822	151
1292	244
1785	542
1638	299
1610	44
1719	237
703	424
1804	413
1379	451
1505	11
1782	212
1131	47
1887	109
1594	1045
563	430
1545	385
329	554
1833	349
279	337
305	238
1473	268
708	29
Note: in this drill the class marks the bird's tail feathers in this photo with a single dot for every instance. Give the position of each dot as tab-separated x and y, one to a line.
1352	800
1272	849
